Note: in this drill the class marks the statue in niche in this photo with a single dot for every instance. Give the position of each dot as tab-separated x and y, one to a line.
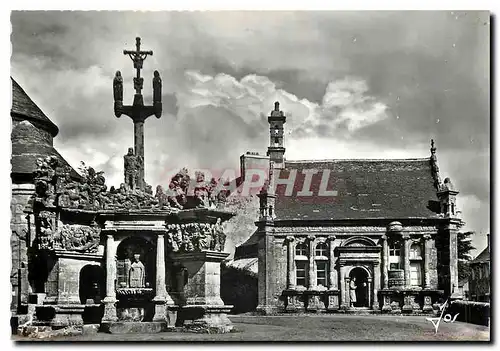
136	273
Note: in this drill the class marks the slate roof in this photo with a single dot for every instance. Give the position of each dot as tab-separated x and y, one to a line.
484	256
365	189
28	143
25	108
248	265
24	157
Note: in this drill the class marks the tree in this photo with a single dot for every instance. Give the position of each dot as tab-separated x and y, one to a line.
464	248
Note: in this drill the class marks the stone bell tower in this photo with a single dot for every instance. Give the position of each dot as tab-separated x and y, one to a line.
276	149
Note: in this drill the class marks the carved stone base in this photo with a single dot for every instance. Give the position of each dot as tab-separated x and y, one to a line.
133	327
160	310
427	304
386	304
205	319
67	315
266	310
109	310
408	304
407	309
314	303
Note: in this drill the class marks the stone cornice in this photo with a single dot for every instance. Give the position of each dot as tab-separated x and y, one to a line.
205	255
78	255
349	230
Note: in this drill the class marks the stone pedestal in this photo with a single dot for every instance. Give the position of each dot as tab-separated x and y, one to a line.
109	310
427	304
408	304
205	319
332	300
204	306
67	315
386	307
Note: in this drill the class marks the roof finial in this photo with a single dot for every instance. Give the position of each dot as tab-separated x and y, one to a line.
276	106
433	147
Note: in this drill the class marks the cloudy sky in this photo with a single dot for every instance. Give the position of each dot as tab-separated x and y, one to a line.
353	85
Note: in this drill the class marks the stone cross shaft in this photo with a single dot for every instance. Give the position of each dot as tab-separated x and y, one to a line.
138	112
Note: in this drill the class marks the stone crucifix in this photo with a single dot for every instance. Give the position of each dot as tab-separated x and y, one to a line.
138	112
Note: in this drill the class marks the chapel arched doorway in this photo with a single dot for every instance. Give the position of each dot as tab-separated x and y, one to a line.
358	287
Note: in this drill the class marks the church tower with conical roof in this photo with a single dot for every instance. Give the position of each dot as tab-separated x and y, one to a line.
32	138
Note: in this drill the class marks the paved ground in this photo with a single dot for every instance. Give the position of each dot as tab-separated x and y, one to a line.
318	328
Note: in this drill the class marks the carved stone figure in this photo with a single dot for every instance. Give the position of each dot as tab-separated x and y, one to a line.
447	185
46	229
156	87
201	194
136	273
118	87
219	237
132	166
205	237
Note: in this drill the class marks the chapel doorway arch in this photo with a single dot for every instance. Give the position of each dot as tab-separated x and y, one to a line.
359	296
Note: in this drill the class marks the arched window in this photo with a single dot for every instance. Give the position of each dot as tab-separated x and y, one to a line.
321	250
301	249
415	252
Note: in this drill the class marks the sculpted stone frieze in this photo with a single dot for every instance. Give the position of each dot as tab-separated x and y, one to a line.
50	236
79	238
56	187
192	237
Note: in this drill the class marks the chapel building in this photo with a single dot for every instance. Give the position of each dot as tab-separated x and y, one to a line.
363	234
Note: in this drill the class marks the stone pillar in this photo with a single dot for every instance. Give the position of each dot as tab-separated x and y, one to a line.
204	305
110	299
139	149
312	263
427	256
385	260
332	272
347	292
162	297
406	257
342	295
369	283
291	262
376	285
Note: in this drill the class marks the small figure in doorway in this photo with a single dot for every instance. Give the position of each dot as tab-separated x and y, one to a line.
352	291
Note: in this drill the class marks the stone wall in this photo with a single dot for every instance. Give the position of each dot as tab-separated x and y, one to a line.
21	194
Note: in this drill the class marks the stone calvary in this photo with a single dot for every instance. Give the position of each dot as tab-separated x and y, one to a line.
124	258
